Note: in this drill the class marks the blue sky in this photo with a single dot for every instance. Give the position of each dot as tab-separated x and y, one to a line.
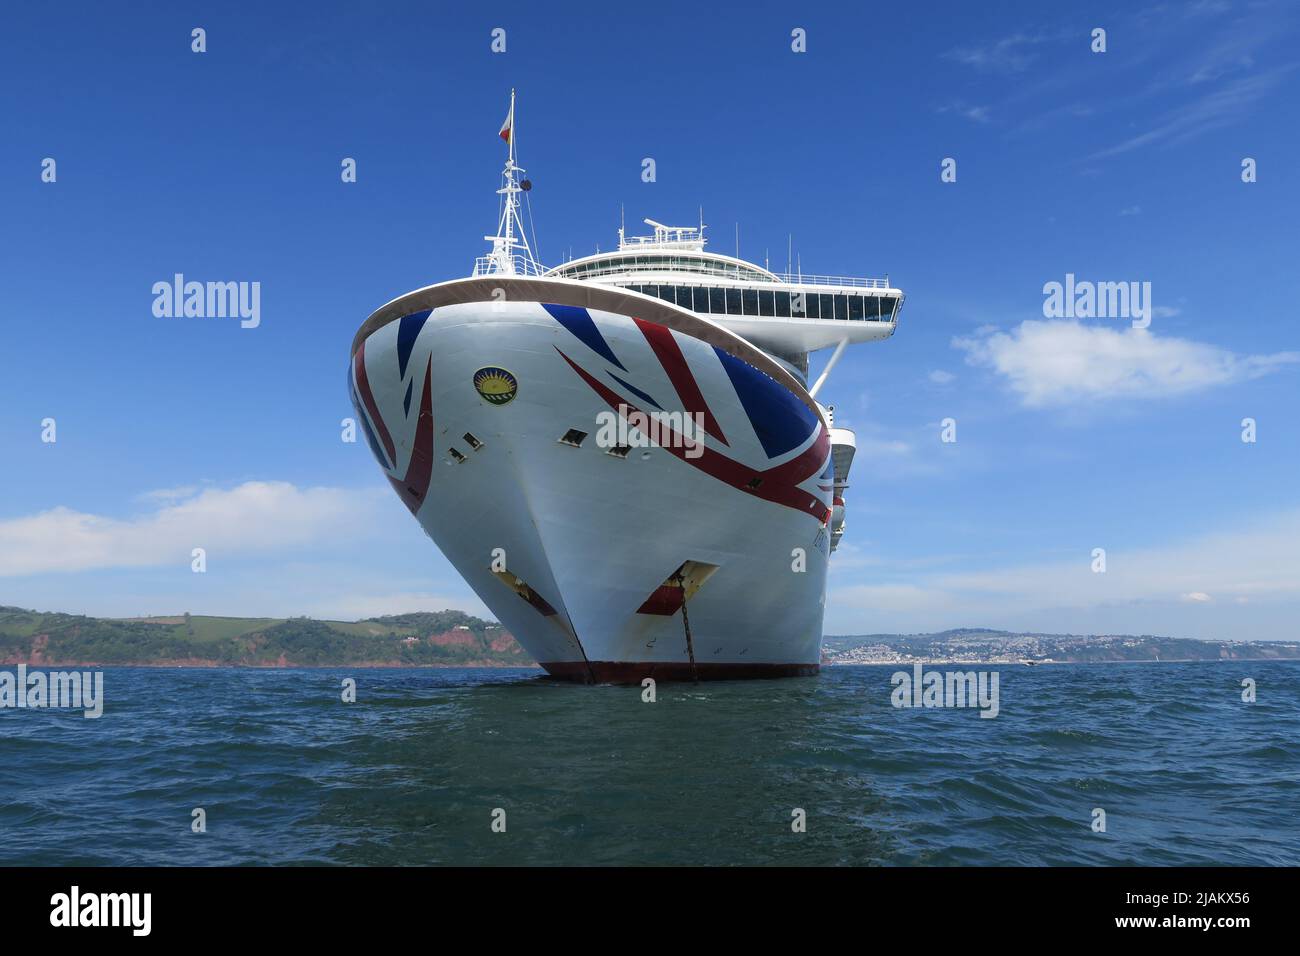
225	165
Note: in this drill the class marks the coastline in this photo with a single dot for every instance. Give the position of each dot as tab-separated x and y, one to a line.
1117	660
277	665
202	664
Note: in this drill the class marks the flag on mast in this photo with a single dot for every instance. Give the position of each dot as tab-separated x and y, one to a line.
508	127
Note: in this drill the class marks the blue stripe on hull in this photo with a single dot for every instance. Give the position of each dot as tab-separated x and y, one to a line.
781	421
580	323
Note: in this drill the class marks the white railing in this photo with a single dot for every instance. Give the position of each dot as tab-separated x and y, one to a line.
685	244
692	269
489	265
847	281
522	265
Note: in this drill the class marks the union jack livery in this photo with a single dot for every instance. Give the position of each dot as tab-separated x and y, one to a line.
621	455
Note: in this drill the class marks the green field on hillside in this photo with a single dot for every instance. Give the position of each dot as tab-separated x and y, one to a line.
421	639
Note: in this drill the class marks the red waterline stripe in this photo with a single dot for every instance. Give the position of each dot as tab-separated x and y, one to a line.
633	672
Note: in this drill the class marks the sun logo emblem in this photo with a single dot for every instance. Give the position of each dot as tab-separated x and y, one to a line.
496	384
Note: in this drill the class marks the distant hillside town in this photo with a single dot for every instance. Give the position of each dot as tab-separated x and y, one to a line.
981	645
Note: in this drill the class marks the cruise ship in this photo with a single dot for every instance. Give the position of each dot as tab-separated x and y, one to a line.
622	454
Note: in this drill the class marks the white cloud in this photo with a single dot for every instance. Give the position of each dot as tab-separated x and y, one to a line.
883	447
974	113
257	516
886	457
1226	105
890	597
169	494
940	377
1256	564
1056	362
1011	54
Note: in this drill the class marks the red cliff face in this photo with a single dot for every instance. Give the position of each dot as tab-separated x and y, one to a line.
454	639
505	642
499	641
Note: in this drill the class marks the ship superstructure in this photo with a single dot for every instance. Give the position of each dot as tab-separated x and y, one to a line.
622	454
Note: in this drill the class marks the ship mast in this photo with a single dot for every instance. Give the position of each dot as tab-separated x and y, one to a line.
510	253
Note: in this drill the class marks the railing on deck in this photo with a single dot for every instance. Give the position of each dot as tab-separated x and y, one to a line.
523	266
846	281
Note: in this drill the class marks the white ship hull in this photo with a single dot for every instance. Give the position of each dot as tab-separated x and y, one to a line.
572	548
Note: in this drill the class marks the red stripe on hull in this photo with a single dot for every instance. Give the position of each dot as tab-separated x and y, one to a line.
778	484
368	399
633	672
671	358
419	470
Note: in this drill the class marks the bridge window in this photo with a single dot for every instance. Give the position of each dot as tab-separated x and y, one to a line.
783	304
717	301
701	299
733	301
810	305
684	296
750	299
765	306
855	307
